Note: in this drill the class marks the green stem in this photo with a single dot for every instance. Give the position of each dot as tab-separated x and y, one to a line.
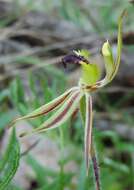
93	152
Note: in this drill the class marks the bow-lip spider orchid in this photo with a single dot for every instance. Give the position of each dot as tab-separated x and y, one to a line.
79	96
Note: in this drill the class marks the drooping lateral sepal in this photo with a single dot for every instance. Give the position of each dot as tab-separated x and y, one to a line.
61	115
45	109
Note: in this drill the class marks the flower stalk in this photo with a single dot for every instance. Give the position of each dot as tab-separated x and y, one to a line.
96	173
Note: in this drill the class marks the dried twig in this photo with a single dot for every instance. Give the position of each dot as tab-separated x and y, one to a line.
30	148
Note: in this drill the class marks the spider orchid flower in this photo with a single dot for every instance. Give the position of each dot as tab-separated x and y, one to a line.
79	97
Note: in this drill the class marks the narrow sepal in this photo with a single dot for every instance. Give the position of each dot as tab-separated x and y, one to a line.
88	130
111	65
43	110
82	108
119	43
61	115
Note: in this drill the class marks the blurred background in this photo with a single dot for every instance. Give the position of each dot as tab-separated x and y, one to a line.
34	35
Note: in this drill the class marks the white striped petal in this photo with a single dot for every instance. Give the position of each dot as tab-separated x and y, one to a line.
88	130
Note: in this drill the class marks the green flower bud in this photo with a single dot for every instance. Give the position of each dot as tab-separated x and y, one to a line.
109	61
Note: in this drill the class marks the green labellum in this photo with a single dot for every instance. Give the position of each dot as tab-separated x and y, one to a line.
90	73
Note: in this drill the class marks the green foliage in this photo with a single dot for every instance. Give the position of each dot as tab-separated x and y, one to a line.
70	11
5	118
14	187
82	177
10	161
47	178
112	168
39	96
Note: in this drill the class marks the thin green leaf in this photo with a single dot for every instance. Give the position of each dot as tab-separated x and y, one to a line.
82	177
5	118
116	165
37	167
13	187
41	174
17	91
10	162
4	94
